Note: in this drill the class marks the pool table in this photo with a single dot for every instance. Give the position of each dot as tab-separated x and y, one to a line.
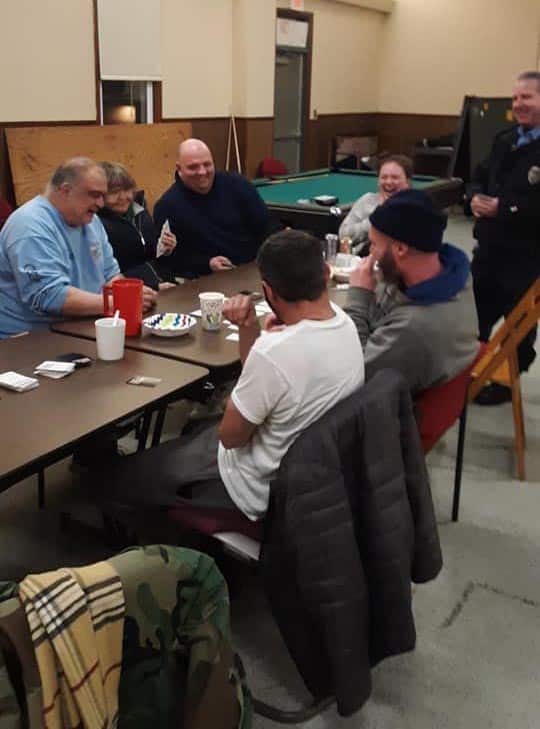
290	197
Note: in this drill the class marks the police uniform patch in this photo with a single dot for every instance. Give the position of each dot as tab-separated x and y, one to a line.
534	175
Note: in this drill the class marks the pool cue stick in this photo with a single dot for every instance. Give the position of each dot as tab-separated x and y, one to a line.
236	148
229	137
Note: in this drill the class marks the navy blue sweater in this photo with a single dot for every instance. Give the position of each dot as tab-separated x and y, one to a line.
231	220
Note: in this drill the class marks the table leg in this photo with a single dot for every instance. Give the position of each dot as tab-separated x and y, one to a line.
41	488
158	427
143	436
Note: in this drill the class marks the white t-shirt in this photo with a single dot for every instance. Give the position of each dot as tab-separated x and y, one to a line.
289	380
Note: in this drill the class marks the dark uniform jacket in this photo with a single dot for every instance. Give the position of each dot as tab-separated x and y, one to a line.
351	523
511	240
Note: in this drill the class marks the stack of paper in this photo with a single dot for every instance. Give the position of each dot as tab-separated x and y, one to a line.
54	370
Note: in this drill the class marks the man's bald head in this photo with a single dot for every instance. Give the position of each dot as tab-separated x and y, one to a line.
195	166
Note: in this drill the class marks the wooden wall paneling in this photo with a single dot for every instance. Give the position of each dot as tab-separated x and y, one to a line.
6	180
398	133
213	131
254	140
148	151
242	135
259	134
157	101
6	183
321	132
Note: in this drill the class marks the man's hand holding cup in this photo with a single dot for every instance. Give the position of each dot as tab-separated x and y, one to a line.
363	276
240	310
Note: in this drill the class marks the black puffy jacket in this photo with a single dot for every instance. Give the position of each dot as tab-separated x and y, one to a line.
351	523
134	245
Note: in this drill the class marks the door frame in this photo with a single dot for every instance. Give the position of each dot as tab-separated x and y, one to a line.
306	76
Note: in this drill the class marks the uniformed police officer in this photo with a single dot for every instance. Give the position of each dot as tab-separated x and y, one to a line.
505	200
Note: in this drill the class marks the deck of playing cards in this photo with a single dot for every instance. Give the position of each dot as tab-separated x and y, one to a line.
19	383
54	370
160	250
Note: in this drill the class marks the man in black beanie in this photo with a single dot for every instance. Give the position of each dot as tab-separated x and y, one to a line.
411	299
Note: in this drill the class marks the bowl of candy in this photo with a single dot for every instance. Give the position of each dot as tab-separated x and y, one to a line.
169	324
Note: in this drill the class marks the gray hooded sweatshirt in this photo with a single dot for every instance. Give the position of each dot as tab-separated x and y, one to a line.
429	332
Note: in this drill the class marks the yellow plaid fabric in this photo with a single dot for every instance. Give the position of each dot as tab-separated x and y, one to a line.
76	619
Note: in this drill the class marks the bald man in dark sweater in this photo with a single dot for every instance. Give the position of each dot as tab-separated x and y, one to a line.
218	218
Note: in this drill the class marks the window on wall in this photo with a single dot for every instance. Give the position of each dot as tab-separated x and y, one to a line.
129	61
127	102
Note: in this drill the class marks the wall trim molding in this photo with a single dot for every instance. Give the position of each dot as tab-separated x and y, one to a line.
255	118
214	118
417	114
323	115
166	119
56	123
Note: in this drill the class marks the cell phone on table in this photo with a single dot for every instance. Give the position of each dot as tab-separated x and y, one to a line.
79	360
255	295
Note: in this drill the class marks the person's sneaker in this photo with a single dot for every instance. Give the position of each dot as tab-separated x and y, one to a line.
493	394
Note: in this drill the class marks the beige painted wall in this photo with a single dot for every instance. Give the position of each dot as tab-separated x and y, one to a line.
435	52
253	57
346	57
218	55
47	61
196	46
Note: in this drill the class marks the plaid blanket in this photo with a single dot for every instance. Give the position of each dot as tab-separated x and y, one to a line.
76	619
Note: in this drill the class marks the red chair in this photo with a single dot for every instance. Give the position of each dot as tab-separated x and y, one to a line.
5	212
438	408
270	167
233	529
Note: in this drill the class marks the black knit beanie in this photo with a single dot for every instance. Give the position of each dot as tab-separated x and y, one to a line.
411	217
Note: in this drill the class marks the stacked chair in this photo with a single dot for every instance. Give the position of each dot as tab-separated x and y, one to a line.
440	407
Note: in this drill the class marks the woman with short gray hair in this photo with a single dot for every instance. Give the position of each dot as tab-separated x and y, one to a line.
131	231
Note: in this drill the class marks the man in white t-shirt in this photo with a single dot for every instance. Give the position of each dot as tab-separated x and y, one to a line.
307	358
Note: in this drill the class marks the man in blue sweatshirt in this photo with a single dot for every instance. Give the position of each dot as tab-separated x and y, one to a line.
218	218
417	313
54	253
